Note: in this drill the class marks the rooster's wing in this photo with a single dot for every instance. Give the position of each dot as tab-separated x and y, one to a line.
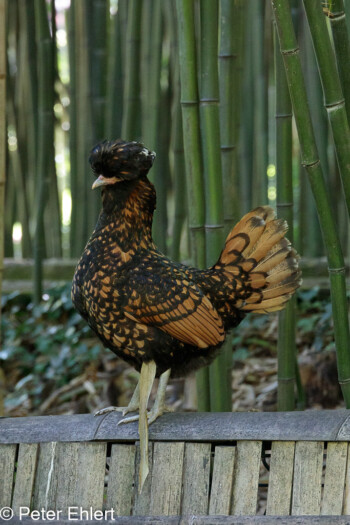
162	295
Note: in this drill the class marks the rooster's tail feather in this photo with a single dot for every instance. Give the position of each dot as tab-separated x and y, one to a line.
262	261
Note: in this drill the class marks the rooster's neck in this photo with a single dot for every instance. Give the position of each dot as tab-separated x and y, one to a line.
128	211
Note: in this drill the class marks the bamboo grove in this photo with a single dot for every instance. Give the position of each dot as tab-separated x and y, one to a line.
214	87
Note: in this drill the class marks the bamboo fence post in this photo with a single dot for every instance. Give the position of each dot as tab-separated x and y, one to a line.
3	148
219	374
286	351
193	159
310	160
333	95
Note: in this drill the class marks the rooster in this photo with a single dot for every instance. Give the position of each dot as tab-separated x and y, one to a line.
162	317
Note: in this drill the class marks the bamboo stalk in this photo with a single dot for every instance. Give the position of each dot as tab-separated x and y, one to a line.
31	96
3	147
151	113
220	387
114	90
286	351
100	16
259	193
88	203
193	159
312	244
53	210
342	47
17	160
247	131
131	98
177	146
45	137
229	96
179	182
333	95
290	53
74	184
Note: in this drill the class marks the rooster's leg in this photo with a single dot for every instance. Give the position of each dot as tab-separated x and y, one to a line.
132	406
159	406
148	373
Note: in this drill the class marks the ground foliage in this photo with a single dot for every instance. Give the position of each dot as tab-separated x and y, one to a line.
55	364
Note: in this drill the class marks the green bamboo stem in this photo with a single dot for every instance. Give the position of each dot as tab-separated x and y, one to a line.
229	85
286	351
131	97
45	137
73	138
312	244
177	146
93	96
100	16
259	193
114	90
3	141
53	210
88	203
290	53
31	96
17	160
151	113
3	147
193	159
342	47
247	131
333	95
146	60
179	182
220	387
229	96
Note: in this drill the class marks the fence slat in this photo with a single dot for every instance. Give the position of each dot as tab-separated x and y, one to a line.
333	494
7	468
196	478
81	471
45	484
25	476
121	479
167	478
307	478
279	496
346	509
246	477
222	482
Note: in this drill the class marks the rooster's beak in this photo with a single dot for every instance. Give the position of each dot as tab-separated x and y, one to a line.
103	181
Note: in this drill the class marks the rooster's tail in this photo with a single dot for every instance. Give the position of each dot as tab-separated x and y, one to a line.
261	261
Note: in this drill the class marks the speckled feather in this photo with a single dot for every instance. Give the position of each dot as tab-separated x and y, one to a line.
142	305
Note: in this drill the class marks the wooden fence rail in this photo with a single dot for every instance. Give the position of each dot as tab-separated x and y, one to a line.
204	468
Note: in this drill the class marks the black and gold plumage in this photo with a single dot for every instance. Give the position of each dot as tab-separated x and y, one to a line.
154	312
